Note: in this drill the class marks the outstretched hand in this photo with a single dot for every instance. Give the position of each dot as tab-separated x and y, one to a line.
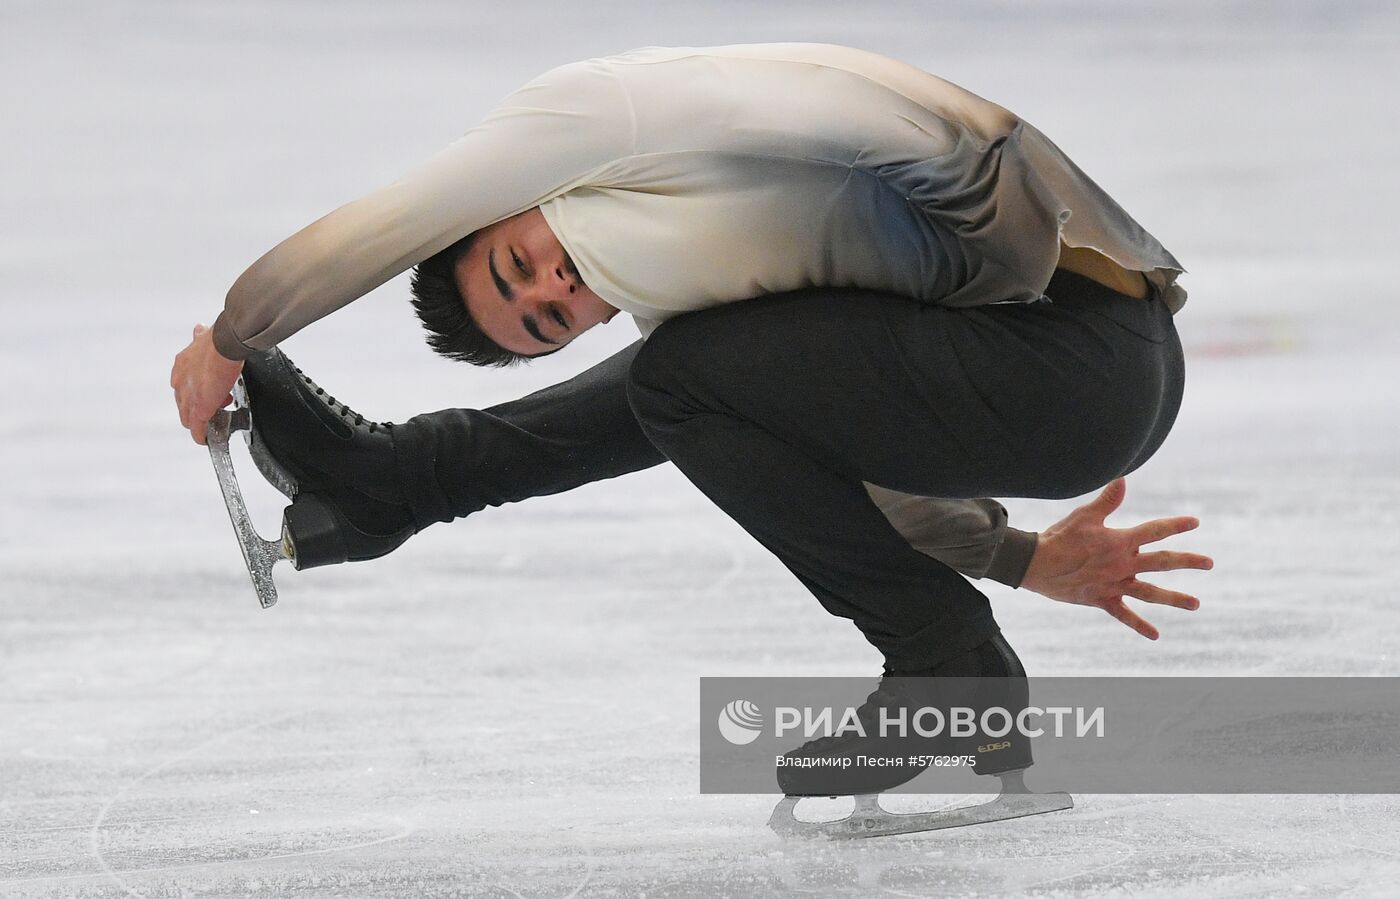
203	381
1081	560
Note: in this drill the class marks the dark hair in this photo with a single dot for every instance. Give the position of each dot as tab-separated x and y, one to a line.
442	308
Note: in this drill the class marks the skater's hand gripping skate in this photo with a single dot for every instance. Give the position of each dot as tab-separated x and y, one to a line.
1081	560
203	382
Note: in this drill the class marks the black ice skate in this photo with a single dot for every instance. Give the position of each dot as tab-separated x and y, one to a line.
335	465
989	676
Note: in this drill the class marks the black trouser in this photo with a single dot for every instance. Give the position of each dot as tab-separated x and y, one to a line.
459	461
779	408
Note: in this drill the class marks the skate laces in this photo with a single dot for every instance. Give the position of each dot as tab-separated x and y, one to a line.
344	411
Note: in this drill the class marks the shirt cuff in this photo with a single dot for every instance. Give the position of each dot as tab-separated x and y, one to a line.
227	343
1013	557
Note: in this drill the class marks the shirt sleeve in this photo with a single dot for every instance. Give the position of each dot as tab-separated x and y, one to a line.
559	130
971	536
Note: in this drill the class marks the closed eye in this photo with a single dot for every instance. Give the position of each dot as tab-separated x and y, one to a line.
532	328
515	257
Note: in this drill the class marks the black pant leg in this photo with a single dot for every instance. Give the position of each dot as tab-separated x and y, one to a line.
778	408
458	461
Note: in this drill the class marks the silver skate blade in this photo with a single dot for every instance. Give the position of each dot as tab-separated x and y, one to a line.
868	819
259	554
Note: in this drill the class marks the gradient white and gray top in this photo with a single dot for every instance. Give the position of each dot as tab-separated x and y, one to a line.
682	178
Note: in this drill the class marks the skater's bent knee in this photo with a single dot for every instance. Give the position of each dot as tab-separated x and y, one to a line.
664	370
644	377
665	353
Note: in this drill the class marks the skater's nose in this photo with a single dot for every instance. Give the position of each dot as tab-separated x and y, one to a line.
560	279
553	285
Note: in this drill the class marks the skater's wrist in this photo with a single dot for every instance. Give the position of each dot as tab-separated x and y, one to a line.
1012	557
226	343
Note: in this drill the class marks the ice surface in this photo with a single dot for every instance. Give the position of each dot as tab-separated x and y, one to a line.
461	719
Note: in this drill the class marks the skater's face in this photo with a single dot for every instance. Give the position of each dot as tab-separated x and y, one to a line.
523	290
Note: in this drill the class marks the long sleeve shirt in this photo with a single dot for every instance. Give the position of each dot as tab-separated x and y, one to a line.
682	178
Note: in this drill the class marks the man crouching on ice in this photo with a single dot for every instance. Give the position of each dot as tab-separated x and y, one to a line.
870	300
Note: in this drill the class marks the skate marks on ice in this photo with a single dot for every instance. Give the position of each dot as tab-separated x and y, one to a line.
1111	846
325	797
77	638
95	834
509	850
226	828
505	809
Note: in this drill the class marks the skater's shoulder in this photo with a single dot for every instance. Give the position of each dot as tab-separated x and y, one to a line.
805	78
834	56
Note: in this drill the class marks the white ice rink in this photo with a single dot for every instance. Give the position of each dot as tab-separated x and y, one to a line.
507	706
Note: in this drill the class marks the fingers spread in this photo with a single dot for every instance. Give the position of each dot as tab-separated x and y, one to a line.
1162	528
1132	619
1172	561
1154	594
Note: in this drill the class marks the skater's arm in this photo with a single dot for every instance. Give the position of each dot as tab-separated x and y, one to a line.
971	536
1082	561
538	143
550	135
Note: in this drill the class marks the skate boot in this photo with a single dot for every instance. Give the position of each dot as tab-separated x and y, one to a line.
336	466
989	676
829	766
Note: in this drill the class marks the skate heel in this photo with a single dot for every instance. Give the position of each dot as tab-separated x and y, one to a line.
315	533
1006	687
1002	756
318	533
